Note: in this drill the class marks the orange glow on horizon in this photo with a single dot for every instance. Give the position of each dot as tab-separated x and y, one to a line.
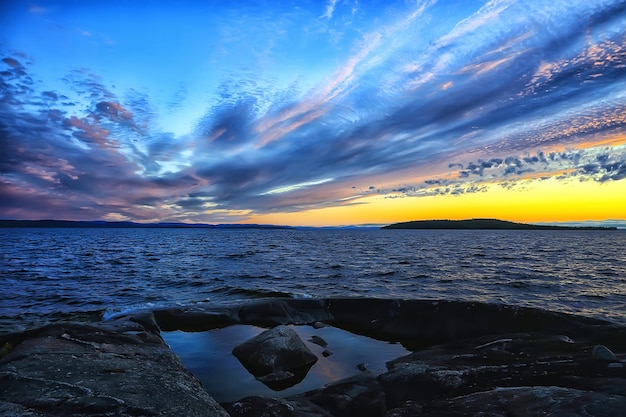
530	201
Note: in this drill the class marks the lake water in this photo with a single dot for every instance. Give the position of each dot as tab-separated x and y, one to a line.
89	274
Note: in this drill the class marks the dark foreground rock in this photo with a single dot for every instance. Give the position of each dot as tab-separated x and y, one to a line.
84	370
532	401
468	359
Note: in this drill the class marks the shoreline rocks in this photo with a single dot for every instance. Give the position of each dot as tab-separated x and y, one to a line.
75	369
466	358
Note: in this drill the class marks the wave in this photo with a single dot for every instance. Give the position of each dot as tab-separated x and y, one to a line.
251	292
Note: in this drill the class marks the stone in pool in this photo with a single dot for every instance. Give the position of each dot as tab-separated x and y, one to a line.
277	357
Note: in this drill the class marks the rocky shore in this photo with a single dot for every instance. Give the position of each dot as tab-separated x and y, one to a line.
467	359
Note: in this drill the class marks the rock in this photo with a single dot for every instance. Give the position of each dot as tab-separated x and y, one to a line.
421	323
326	353
362	367
318	341
277	377
271	353
467	359
424	382
285	311
258	406
408	409
88	370
530	401
361	395
602	353
416	323
194	319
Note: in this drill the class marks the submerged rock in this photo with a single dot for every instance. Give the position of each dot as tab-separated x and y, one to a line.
318	341
278	357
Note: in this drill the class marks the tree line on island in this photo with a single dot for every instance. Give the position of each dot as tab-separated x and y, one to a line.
485	224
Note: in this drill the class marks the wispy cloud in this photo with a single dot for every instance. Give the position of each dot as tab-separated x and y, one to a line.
330	9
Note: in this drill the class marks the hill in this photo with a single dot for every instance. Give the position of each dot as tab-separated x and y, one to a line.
484	224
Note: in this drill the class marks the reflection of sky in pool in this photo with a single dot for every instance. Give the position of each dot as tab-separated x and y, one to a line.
208	355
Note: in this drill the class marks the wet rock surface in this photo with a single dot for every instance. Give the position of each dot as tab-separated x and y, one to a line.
85	370
277	357
468	359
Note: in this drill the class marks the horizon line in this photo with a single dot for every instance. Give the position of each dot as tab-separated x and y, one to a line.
615	223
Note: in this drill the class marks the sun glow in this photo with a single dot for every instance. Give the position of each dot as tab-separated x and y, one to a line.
531	201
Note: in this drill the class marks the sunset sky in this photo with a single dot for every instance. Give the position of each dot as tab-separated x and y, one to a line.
343	112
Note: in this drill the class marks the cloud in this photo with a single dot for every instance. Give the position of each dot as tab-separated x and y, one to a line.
229	124
38	9
499	95
594	164
330	9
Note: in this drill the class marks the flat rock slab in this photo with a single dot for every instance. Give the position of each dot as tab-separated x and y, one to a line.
84	370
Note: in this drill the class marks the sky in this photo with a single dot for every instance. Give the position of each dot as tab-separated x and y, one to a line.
316	113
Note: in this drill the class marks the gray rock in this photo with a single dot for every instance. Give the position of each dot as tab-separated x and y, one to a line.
84	370
421	323
271	353
285	311
361	395
318	341
194	319
408	409
468	359
602	353
531	401
258	406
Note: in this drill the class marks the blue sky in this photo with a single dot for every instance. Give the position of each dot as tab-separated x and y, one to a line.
214	111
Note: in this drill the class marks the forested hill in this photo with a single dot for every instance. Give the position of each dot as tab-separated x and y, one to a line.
488	224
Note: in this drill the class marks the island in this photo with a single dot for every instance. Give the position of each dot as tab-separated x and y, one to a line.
485	224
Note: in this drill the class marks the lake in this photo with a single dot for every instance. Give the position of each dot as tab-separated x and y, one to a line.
90	274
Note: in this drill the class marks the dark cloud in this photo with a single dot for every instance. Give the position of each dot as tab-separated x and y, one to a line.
12	62
585	163
191	203
113	111
613	171
229	124
67	161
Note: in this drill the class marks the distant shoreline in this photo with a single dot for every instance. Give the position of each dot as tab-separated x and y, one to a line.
128	225
484	224
469	224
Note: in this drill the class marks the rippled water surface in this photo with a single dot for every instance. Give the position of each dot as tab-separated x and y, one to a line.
87	274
